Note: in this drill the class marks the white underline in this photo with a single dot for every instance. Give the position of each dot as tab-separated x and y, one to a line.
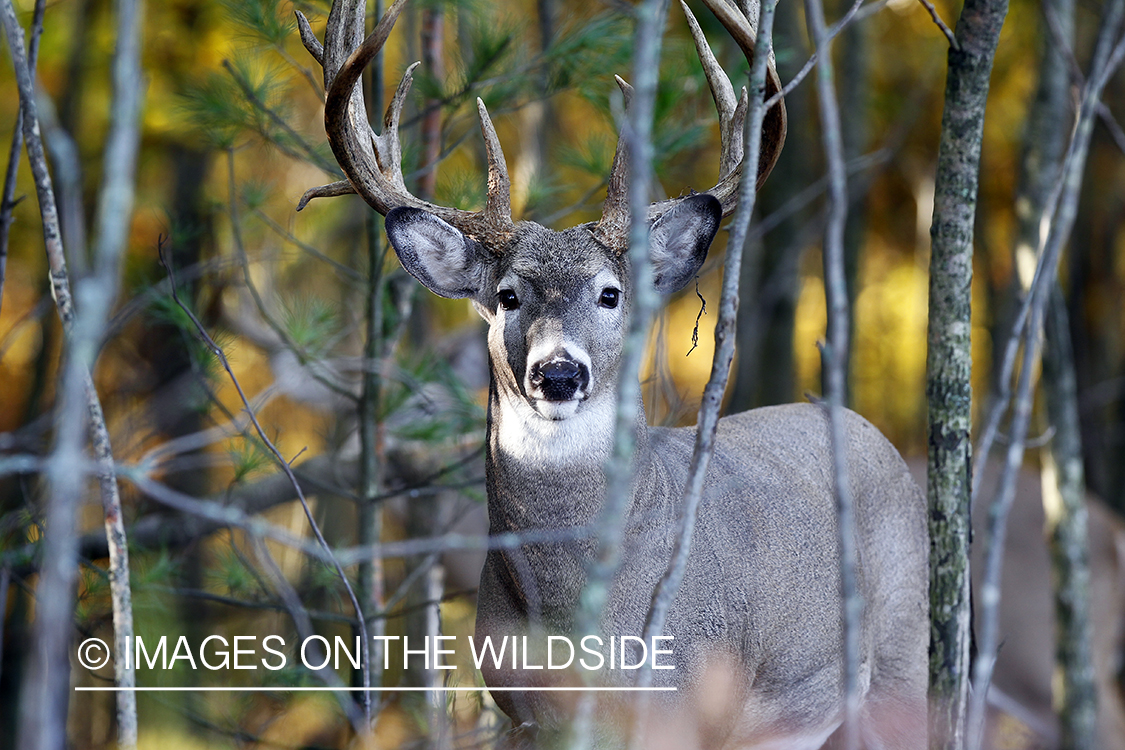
275	689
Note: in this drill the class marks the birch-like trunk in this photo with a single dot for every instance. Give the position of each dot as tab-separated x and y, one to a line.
949	364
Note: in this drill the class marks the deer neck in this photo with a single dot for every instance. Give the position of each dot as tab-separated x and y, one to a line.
551	473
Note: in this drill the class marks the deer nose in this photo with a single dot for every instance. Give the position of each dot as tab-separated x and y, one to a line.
559	379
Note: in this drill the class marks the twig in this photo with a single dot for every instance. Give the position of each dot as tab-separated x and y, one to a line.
1062	42
637	135
929	6
204	516
275	606
221	356
42	719
833	31
725	336
303	623
834	354
348	274
223	515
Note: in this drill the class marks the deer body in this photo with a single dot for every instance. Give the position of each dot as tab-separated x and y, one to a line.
762	584
761	592
757	628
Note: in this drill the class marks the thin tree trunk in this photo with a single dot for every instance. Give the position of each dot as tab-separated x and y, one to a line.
433	62
1063	480
1059	214
7	197
725	331
835	358
1075	697
43	704
949	364
651	17
114	220
370	584
421	513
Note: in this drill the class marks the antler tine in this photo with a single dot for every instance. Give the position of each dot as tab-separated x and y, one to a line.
774	124
308	38
732	113
498	205
388	149
373	163
613	228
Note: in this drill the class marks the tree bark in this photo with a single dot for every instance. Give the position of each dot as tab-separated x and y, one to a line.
949	364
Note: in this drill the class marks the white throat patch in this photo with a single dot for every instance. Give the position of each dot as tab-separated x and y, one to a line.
581	439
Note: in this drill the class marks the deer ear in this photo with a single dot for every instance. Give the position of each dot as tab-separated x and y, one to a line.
447	262
678	241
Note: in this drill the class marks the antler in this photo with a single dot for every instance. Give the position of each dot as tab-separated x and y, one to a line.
373	163
612	229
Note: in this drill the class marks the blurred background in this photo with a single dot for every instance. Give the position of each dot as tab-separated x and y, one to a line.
233	135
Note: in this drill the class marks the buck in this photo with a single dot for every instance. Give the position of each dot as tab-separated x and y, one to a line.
761	596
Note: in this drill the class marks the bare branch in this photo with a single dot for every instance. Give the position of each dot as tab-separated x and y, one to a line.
833	31
637	133
725	334
360	723
279	121
349	275
314	366
835	357
929	6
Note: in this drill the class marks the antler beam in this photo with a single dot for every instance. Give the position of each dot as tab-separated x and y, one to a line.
613	227
373	163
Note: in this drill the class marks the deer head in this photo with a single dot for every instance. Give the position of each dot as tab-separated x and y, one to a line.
556	302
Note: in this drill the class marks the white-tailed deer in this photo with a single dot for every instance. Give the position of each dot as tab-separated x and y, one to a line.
761	595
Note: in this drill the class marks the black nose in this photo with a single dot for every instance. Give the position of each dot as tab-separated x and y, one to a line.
559	379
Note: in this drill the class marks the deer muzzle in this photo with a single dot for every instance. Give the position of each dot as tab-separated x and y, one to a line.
558	379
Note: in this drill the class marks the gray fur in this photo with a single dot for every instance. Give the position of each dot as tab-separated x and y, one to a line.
761	594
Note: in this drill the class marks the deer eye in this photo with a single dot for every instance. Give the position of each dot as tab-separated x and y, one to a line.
508	299
610	297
